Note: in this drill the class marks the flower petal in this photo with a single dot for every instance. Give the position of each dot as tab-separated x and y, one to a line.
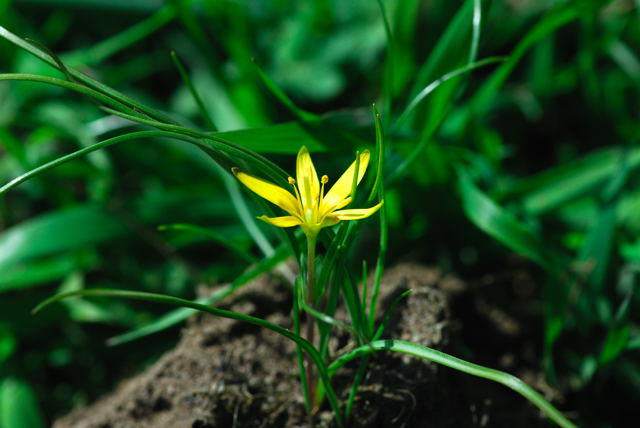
307	178
330	220
342	188
272	193
356	214
343	203
285	221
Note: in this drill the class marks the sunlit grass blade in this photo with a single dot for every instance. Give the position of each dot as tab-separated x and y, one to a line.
620	328
174	317
476	24
211	234
380	152
504	226
81	77
329	319
439	81
204	113
273	171
384	227
19	405
567	12
556	186
107	48
230	183
96	95
86	150
457	364
389	63
282	138
448	51
60	65
58	232
301	114
175	301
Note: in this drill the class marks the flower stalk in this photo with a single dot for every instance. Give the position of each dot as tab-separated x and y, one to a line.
310	322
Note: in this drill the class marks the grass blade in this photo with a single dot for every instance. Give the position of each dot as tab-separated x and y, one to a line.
204	113
439	81
503	226
457	364
118	42
211	234
81	77
174	317
301	114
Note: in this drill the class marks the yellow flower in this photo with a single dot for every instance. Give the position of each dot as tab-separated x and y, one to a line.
309	207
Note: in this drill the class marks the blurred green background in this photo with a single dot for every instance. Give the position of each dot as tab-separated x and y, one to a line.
530	160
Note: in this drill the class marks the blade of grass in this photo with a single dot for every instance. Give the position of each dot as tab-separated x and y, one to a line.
230	183
272	170
475	33
295	313
177	316
120	41
204	113
457	364
389	64
439	81
387	316
301	114
86	150
550	189
555	19
384	229
83	78
71	86
211	234
380	151
505	227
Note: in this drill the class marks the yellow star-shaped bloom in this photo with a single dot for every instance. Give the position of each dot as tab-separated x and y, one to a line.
309	207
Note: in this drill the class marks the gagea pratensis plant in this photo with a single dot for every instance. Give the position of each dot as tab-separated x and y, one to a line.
311	209
310	206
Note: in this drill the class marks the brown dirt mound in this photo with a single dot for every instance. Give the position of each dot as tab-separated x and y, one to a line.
225	373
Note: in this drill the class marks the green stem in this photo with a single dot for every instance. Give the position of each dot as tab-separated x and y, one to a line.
310	324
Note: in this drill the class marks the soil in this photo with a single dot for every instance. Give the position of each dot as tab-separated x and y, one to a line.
225	373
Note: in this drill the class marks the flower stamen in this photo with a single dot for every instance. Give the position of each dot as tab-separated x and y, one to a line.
324	180
292	182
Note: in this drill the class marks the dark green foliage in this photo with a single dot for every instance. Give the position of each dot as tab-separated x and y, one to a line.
524	142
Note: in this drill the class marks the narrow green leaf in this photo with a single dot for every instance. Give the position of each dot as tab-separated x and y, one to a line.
19	405
457	364
204	113
502	225
101	88
384	228
555	19
211	234
301	114
388	314
107	48
550	189
439	81
57	232
176	316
